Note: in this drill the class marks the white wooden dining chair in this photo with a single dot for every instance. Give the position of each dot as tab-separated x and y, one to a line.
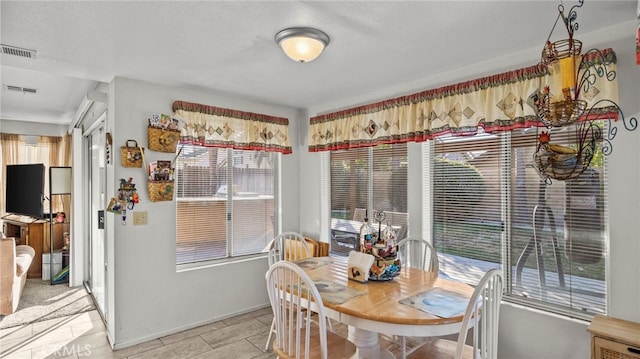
482	314
289	246
420	254
293	296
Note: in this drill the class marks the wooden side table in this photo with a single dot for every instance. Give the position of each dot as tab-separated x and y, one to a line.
613	338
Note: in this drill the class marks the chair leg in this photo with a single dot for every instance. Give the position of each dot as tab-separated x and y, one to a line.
271	330
403	342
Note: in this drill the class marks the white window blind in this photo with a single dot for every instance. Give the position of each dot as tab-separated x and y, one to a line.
366	180
491	209
225	202
566	271
467	205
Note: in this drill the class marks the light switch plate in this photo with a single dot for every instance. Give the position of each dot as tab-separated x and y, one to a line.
139	218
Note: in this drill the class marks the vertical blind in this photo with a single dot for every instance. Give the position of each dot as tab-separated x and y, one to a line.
492	209
225	202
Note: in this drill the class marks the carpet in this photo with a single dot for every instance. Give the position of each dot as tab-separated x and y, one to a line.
43	301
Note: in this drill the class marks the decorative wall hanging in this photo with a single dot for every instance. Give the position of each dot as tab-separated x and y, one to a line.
571	100
163	133
160	183
131	154
128	193
116	206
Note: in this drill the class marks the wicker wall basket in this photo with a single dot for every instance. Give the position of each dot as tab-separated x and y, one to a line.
160	191
131	154
162	140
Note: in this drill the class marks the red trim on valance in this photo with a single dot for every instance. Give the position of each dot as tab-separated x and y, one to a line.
225	112
427	136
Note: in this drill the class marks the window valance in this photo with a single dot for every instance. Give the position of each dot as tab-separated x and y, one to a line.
210	126
495	103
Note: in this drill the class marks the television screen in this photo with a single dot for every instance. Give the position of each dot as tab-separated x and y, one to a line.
25	189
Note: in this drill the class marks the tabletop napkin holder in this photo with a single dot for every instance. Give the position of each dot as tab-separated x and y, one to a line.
359	265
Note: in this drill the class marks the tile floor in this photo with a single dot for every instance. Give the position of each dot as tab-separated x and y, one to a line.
84	336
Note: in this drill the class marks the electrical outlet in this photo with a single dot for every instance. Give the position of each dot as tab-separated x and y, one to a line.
139	218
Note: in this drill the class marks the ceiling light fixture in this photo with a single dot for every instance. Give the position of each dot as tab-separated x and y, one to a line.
302	44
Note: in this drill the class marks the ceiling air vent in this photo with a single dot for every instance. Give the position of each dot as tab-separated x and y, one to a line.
21	89
18	51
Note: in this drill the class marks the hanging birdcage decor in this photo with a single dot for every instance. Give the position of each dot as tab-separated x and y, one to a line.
569	100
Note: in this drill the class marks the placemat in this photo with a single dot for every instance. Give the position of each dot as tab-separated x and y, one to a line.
335	293
314	262
439	302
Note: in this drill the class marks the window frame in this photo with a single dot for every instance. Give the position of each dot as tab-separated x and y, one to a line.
507	263
371	196
233	157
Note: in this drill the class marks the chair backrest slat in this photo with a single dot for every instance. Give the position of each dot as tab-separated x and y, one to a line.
418	253
482	313
290	246
291	291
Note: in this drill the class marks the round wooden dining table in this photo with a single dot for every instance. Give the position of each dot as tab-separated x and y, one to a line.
375	307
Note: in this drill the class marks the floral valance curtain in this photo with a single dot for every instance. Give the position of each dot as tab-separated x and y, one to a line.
210	126
495	103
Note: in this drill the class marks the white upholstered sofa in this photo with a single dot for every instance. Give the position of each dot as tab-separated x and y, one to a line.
14	265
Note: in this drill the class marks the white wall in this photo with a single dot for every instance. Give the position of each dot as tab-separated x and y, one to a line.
148	298
525	333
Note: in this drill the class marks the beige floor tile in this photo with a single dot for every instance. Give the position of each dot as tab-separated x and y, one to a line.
42	353
16	332
187	348
51	323
240	349
260	340
100	353
90	341
161	352
232	333
192	332
54	336
246	316
90	328
57	350
267	355
14	354
139	348
266	319
241	337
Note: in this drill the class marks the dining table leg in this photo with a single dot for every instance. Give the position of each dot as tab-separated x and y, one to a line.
368	344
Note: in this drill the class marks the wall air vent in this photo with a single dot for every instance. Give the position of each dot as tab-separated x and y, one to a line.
18	51
21	89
